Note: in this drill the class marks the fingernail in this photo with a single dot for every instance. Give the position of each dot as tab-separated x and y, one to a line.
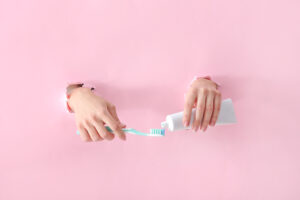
185	123
124	137
110	137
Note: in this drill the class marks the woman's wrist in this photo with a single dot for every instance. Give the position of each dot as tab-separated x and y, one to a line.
75	95
78	88
208	78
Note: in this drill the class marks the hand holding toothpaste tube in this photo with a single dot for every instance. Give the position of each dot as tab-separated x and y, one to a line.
203	94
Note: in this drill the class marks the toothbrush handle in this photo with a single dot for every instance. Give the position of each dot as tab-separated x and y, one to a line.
128	130
108	129
123	129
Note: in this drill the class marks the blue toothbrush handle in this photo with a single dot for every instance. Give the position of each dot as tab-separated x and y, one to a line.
133	131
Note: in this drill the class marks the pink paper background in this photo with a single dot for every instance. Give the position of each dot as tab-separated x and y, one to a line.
141	55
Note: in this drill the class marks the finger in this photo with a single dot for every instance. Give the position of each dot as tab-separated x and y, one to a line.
104	133
217	107
84	134
113	111
114	125
209	106
200	108
188	106
92	131
99	124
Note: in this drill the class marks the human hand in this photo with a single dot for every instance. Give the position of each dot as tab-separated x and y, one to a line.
204	95
91	113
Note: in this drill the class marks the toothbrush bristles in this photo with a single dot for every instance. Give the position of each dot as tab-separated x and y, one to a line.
157	132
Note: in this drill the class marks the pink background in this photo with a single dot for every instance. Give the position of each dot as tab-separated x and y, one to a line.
141	55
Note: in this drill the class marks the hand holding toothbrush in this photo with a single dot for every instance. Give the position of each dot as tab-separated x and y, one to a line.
92	112
204	95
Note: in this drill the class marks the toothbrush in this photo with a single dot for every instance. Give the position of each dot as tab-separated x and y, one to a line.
153	131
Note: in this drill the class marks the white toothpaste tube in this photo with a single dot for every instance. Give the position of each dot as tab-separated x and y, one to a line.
226	116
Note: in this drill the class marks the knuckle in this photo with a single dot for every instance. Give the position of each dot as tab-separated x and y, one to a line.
103	134
114	126
214	118
186	96
204	91
189	104
86	122
194	90
211	92
94	136
113	107
205	122
209	107
217	107
101	112
80	126
94	117
200	106
186	116
190	94
217	92
198	116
